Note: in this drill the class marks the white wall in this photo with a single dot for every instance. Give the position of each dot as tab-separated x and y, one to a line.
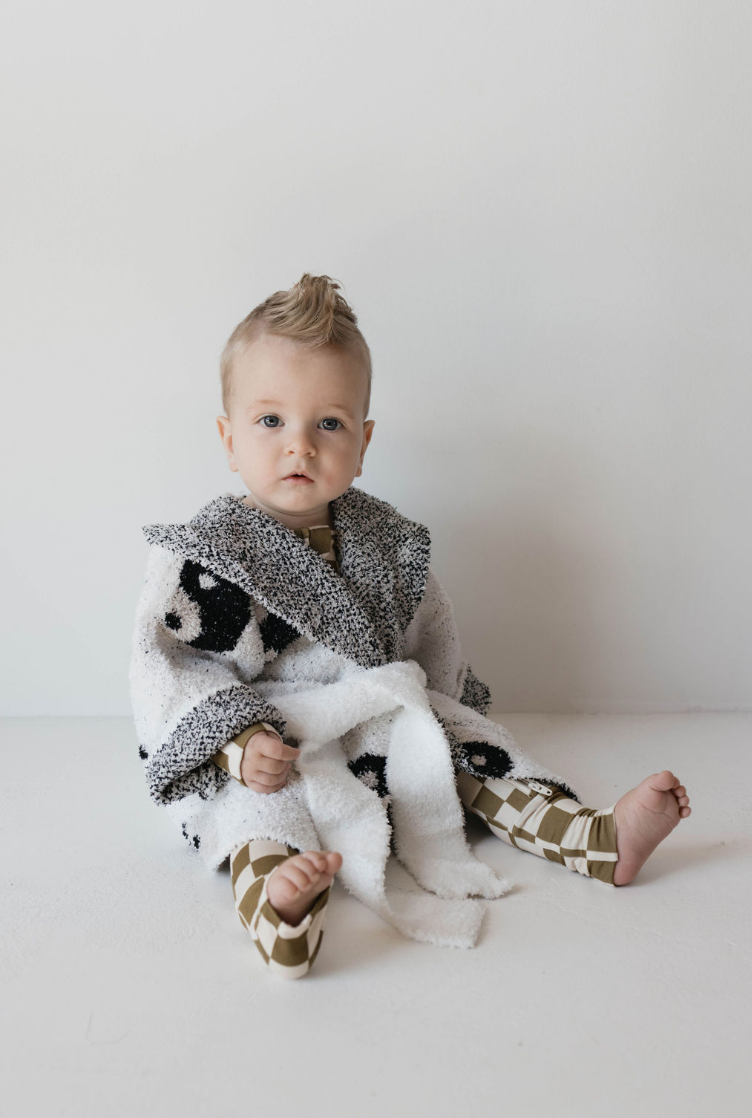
540	212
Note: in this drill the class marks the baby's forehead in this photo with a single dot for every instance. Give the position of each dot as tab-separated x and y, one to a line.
261	382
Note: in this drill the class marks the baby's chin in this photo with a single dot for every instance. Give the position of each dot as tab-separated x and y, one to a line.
294	509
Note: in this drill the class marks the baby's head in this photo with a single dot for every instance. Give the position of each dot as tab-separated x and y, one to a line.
296	387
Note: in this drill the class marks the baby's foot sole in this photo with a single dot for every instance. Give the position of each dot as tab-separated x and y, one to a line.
294	885
644	817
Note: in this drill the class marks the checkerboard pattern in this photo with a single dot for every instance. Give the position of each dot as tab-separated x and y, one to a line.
286	949
540	817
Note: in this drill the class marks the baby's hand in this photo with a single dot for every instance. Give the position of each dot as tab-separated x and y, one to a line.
266	760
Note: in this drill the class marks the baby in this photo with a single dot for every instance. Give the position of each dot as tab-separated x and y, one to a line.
308	583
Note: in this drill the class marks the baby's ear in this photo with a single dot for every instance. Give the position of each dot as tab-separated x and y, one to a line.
368	427
225	433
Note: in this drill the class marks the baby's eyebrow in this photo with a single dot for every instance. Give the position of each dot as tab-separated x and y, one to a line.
280	403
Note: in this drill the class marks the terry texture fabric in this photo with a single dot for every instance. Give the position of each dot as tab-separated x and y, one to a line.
241	621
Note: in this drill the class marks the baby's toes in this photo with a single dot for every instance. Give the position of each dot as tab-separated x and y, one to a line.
664	781
326	861
684	812
682	798
299	875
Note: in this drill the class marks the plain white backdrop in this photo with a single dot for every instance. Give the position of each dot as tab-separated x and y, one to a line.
540	213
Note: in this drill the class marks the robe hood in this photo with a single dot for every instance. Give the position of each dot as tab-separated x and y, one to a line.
384	557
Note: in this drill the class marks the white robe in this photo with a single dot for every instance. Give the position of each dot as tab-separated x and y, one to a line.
240	621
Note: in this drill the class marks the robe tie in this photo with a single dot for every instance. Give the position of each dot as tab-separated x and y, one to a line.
429	834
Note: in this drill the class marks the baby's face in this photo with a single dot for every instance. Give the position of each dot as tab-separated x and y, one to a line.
296	410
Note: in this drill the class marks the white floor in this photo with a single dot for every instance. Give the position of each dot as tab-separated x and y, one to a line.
129	986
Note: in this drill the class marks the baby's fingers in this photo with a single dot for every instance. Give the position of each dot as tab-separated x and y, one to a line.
275	750
272	768
268	780
254	784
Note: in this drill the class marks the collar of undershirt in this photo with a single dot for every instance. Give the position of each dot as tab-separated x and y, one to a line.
320	537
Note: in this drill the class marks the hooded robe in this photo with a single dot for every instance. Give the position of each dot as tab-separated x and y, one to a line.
240	621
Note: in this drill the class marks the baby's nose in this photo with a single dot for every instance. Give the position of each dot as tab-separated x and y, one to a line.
301	442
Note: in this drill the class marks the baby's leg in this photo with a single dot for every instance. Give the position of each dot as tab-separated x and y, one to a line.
541	818
611	845
287	949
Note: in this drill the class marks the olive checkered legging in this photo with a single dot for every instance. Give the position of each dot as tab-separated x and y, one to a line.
285	948
541	818
532	815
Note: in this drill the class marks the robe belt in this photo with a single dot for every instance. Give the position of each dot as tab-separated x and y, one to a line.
429	834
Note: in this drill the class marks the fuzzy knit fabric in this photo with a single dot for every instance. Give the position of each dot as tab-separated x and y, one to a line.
240	621
331	720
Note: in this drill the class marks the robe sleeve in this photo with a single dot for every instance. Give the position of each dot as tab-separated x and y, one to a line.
433	641
188	702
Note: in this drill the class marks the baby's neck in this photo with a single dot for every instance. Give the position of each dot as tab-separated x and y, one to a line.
322	517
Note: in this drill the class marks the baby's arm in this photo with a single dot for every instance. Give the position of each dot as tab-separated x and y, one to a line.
188	702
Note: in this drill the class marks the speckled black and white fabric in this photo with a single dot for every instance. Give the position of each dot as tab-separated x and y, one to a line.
235	604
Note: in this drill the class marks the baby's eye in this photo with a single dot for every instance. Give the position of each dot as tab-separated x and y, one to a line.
331	419
265	417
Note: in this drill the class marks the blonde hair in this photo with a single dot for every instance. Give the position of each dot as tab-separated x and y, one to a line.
312	312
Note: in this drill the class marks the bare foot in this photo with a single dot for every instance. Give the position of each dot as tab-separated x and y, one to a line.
644	817
295	884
